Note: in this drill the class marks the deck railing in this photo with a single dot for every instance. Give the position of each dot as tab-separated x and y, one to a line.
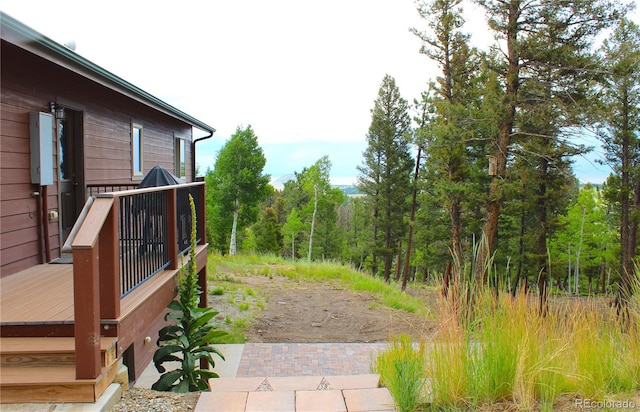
127	237
93	189
143	235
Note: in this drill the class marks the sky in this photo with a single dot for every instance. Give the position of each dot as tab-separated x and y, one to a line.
304	74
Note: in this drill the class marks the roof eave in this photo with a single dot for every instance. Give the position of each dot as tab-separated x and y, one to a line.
26	38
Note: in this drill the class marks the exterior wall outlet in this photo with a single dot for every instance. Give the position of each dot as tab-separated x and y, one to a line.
53	215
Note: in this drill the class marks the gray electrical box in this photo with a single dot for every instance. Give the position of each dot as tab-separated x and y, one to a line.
41	129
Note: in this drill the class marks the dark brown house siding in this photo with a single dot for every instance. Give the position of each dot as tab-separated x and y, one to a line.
29	83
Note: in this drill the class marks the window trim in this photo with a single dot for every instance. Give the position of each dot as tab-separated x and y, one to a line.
180	155
137	174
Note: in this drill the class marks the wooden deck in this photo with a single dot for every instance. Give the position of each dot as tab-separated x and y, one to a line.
42	294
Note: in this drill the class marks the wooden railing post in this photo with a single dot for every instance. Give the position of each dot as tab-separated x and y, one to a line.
86	300
86	290
172	228
110	265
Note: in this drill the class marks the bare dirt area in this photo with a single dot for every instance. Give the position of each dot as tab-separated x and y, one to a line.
314	312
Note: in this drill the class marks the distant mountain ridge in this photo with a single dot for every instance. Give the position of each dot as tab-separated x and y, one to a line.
279	182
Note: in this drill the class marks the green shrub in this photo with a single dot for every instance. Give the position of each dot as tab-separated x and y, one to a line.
217	291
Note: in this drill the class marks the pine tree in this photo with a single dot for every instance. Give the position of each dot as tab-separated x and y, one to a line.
530	30
621	137
268	232
385	175
454	101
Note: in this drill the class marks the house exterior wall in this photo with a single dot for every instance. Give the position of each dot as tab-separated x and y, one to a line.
29	83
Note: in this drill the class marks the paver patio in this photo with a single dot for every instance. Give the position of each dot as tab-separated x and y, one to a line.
279	377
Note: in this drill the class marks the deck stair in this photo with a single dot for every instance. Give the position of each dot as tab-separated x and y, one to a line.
302	393
43	370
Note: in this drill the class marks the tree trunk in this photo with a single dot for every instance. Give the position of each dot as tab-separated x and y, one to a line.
543	278
520	251
412	218
374	258
374	252
603	276
576	276
512	81
388	249
569	267
234	228
313	219
398	261
446	281
627	222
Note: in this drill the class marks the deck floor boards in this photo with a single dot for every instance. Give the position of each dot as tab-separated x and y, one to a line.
41	293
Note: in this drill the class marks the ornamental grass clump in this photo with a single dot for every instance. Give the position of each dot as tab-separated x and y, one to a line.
402	369
188	340
505	351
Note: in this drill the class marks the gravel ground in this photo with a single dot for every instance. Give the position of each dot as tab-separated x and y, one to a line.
147	400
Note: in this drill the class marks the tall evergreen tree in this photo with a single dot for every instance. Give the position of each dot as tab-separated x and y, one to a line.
235	188
621	137
451	128
268	232
385	175
355	220
525	28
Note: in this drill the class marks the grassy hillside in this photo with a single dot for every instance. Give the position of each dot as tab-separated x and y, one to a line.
330	272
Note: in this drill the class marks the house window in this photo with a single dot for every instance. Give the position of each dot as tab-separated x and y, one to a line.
181	159
136	149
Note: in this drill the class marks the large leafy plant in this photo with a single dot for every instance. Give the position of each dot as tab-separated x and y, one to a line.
188	339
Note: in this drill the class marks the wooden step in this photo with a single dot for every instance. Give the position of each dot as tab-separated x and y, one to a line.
297	393
20	384
44	352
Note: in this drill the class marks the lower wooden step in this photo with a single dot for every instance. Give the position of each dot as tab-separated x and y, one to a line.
52	384
45	352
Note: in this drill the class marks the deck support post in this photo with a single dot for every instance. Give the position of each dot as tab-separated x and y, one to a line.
86	299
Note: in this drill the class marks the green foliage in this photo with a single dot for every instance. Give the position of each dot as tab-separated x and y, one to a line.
402	370
268	233
586	245
385	173
217	291
188	340
291	229
235	187
311	208
620	117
